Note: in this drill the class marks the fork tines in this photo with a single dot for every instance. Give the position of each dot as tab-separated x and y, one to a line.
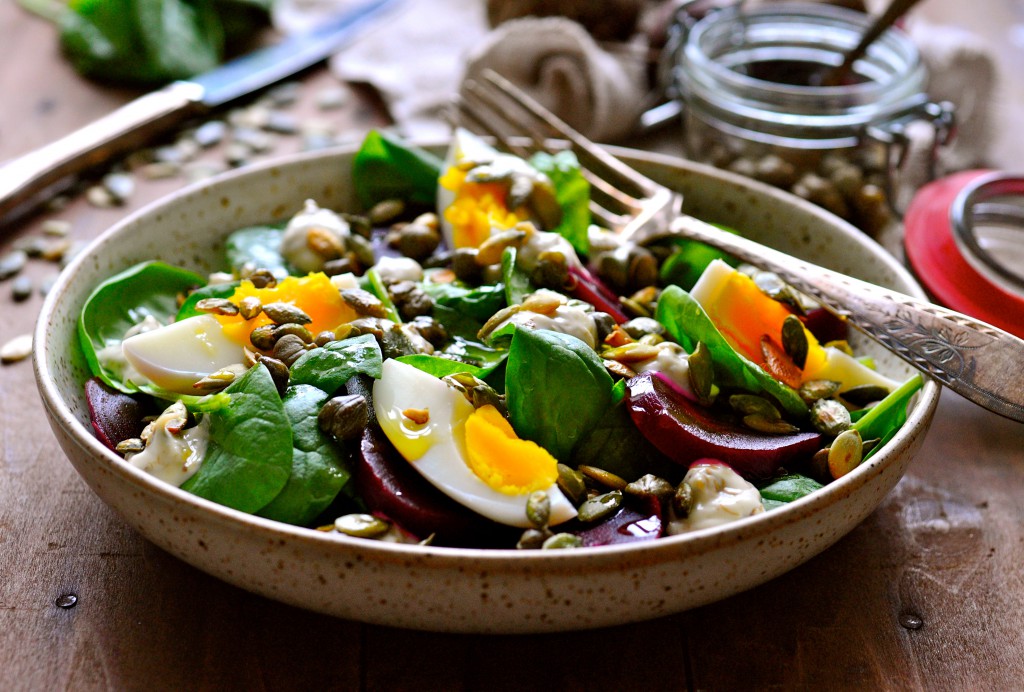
498	108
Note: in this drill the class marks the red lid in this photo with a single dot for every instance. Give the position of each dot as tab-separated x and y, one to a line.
940	264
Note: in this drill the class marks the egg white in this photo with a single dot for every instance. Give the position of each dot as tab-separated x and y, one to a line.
437	448
177	355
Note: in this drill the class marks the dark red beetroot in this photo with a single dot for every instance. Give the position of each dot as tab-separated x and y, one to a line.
115	416
389	485
684	432
639	522
591	289
826	326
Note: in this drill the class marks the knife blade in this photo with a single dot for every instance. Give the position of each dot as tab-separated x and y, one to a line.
24	180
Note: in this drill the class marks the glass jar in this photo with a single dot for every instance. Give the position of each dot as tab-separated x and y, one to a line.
749	83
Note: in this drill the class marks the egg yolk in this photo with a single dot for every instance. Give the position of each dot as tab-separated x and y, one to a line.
503	461
314	294
743	313
478	208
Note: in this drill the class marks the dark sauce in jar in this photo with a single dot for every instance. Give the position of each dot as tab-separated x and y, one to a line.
794	72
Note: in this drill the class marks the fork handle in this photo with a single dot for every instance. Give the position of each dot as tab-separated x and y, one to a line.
976	360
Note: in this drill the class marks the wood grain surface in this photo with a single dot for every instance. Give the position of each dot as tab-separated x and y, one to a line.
926	594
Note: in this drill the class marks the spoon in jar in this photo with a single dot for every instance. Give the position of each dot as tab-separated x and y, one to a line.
896	9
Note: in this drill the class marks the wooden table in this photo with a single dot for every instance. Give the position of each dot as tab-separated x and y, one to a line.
927	593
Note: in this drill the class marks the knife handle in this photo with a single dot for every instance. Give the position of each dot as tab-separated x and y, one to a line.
24	179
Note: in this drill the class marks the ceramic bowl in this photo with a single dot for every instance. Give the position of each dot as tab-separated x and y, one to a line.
446	589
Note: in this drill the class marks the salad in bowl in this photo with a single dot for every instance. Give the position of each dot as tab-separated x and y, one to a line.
468	361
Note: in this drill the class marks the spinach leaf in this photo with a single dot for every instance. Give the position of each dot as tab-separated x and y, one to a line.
459	356
686	321
188	308
517	283
689	259
331	366
319	471
790	487
888	415
572	191
142	42
386	168
250	454
257	246
123	301
439	366
372	282
615	444
557	389
478	302
456	323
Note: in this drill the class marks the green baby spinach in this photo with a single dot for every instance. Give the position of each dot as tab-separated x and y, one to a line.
517	283
557	389
318	472
329	367
123	301
885	418
478	302
249	458
789	487
387	168
572	192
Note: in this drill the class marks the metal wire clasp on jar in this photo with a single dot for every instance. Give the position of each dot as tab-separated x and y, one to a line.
749	84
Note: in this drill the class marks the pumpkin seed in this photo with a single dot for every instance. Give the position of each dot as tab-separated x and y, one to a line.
418	241
262	278
292	328
701	374
278	372
538	508
543	302
561	541
794	340
345	417
751	404
249	307
772	426
361	525
830	417
812	390
639	327
216	381
551	271
18	348
263	337
845	453
285	313
533	539
133	445
363	302
604	478
289	348
619	369
635	352
865	394
600	506
650	485
217	306
12	263
21	289
682	500
570	482
385	211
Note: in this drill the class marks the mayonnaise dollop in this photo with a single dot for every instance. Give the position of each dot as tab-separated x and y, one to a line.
720	495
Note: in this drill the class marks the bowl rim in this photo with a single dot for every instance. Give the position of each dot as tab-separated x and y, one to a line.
663	549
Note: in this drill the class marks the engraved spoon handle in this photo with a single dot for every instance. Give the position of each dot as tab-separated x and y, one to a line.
978	361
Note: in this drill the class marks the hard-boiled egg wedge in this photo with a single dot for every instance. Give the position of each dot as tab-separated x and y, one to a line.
470	210
471	455
743	313
176	356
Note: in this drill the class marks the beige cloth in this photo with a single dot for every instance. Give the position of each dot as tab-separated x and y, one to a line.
599	92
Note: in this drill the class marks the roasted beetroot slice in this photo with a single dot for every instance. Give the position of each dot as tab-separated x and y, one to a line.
685	432
390	486
115	416
590	289
825	326
629	525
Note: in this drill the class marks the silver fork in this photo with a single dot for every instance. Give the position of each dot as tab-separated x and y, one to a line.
978	361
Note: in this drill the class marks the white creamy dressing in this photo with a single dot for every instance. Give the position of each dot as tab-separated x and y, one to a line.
720	495
566	319
295	246
671	361
173	457
539	242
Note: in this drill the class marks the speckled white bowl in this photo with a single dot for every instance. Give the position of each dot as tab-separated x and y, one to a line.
448	589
